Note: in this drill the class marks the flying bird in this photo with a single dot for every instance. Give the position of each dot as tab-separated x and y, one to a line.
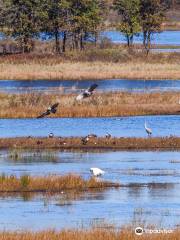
87	93
51	109
148	130
97	171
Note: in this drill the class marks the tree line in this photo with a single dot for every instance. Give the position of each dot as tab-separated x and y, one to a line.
74	21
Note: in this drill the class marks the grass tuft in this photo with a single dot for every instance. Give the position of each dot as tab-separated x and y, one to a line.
50	183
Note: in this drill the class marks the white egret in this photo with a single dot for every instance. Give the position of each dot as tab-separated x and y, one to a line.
97	171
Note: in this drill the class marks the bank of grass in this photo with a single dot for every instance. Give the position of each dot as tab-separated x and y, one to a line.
99	234
50	184
171	26
30	105
114	62
99	143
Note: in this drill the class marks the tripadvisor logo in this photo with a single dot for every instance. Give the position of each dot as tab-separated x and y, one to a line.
138	231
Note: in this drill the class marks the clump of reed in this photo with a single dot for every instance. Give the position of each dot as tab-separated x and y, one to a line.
100	234
99	105
53	183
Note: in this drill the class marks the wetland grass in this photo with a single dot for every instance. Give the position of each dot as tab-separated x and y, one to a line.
92	234
50	184
115	62
30	105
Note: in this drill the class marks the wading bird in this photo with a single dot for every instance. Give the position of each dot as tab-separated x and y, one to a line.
87	93
51	109
148	130
97	171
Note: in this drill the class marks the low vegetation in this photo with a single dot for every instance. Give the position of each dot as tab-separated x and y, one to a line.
72	143
52	184
106	63
100	234
99	105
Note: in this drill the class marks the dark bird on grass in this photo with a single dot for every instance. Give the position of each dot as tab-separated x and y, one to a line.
108	135
87	93
51	109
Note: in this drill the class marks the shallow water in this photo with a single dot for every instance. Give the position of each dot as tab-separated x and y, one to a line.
116	126
165	37
155	203
67	86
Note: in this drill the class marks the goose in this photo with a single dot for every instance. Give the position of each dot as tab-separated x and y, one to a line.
85	140
92	135
87	93
148	130
97	171
51	109
108	135
51	135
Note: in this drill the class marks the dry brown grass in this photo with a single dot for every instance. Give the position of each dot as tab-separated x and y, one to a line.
95	70
99	234
99	105
50	184
93	64
72	143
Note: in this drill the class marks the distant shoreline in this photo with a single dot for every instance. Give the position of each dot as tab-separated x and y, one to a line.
90	71
115	62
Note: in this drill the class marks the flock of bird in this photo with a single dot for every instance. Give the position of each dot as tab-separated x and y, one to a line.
85	94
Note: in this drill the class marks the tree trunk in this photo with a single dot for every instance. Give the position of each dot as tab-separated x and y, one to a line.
81	42
64	42
57	41
131	40
144	38
76	41
25	45
128	41
95	38
148	42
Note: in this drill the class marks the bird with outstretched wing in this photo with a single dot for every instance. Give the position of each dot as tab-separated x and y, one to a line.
51	109
87	93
